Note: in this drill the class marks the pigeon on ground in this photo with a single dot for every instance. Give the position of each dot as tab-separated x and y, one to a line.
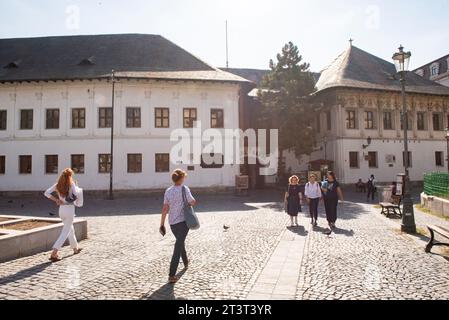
226	228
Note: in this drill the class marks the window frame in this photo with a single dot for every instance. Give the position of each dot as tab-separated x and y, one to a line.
351	120
439	161
26	119
388	120
440	121
162	117
214	165
78	117
47	164
421	121
52	122
139	157
78	169
2	164
107	163
328	120
370	159
357	160
191	119
3	120
29	170
215	112
134	120
165	157
370	123
105	118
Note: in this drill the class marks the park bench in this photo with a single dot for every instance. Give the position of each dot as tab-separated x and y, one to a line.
393	207
441	231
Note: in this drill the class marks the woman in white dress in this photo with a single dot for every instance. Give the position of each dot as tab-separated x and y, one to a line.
64	194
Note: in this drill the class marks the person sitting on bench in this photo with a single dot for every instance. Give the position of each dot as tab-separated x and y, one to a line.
360	186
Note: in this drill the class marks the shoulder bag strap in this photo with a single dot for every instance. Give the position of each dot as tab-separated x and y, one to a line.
184	196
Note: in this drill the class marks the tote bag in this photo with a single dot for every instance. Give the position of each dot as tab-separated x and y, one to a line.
191	218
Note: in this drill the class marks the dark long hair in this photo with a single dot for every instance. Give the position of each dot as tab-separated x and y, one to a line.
332	174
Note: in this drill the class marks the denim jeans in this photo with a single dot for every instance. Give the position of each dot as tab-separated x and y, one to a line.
180	231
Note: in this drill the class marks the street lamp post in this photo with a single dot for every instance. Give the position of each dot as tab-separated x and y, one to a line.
402	60
111	189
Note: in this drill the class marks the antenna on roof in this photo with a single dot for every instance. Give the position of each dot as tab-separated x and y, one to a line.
351	41
227	46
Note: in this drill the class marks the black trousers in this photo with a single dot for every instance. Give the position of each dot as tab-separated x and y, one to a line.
371	192
331	209
180	232
313	208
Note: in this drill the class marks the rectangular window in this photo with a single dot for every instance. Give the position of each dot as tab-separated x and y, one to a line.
351	119
437	121
217	118
212	161
354	160
2	164
51	164
369	120
25	164
52	119
421	121
104	118
439	159
161	118
133	118
134	163
104	163
318	122
3	117
190	117
26	119
329	120
79	118
78	163
372	159
409	159
388	120
162	162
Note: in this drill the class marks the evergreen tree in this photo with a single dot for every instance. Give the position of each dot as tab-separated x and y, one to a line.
285	94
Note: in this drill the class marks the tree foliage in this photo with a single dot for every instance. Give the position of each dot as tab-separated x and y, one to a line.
286	103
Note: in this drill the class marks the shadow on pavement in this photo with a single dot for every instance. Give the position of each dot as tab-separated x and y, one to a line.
26	273
166	292
299	230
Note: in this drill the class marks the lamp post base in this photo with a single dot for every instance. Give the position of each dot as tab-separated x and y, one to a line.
408	217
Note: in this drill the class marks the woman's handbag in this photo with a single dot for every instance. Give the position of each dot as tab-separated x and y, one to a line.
191	218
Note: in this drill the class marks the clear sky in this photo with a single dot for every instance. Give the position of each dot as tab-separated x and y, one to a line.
257	28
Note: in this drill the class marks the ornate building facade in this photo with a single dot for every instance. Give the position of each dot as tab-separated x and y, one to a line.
359	128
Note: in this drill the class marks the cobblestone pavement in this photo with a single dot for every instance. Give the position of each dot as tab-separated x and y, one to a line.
126	258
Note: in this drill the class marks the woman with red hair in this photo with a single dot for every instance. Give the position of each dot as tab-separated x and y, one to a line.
64	194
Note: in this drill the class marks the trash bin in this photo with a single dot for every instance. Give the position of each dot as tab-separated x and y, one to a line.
385	193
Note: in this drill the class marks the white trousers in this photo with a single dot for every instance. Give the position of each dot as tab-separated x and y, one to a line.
67	215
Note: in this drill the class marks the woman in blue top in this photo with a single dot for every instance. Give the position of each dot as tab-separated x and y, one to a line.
331	194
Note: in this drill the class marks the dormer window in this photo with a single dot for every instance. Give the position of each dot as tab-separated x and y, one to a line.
87	62
420	72
13	64
434	69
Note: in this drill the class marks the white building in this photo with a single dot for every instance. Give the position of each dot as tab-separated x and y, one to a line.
55	111
359	128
